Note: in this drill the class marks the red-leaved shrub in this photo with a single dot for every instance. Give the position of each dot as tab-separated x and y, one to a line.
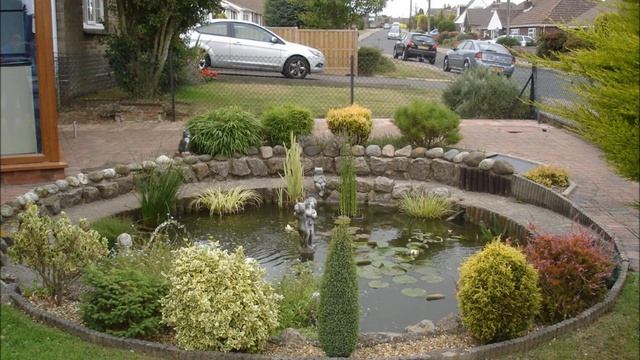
572	271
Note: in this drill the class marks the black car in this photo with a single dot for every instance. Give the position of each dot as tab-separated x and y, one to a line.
416	45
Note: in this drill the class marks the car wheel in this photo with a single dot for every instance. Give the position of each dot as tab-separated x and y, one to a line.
405	56
421	59
296	67
395	53
432	60
445	64
466	65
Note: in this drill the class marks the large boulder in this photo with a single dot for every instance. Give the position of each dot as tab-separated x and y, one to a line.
239	167
443	171
405	151
502	167
383	184
108	190
435	153
373	150
257	167
474	158
201	170
420	169
388	150
379	166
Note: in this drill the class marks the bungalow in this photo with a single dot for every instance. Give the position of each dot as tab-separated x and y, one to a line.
247	10
542	16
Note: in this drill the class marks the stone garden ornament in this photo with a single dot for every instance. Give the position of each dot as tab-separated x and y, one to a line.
319	181
306	213
183	147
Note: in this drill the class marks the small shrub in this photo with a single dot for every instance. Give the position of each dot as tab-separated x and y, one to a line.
297	308
280	121
56	249
508	41
446	25
368	59
111	227
124	300
497	293
348	185
219	301
552	43
293	172
428	124
573	269
479	93
224	131
227	202
425	206
352	121
158	190
548	176
338	314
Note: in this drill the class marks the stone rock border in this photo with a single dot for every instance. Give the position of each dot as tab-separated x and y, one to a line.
468	171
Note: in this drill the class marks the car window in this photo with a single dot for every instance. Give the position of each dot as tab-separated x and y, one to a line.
423	38
219	28
251	32
468	45
395	29
493	47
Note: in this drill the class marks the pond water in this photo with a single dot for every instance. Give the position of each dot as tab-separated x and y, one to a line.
396	253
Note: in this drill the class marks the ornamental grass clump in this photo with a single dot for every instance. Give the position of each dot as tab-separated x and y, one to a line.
353	121
338	314
293	172
497	293
425	206
281	121
56	249
573	269
428	124
227	202
158	191
218	300
548	176
224	131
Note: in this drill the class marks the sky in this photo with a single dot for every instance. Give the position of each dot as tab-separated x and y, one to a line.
400	8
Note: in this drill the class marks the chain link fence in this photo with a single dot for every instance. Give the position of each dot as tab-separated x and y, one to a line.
81	74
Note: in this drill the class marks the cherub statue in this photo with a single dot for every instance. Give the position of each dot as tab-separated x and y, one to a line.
319	180
307	214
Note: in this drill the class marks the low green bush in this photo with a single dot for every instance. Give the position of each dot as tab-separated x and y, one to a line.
508	41
224	131
219	300
548	176
157	191
480	93
338	315
497	293
428	124
352	121
280	122
371	61
425	206
56	249
111	227
123	300
298	307
573	269
552	43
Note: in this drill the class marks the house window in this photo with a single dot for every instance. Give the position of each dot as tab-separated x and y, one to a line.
93	15
515	32
245	17
531	32
233	15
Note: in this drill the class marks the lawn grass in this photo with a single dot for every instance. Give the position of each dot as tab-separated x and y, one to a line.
413	69
22	338
257	97
613	336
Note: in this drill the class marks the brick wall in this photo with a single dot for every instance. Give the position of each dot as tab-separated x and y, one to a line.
81	65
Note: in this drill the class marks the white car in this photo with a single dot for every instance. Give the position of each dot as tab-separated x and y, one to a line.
522	39
394	33
245	45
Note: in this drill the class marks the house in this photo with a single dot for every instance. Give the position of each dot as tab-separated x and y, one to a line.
489	21
499	13
473	20
247	10
542	16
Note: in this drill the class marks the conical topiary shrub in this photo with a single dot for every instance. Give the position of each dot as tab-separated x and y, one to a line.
338	315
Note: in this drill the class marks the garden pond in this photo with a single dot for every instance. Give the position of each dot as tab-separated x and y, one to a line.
401	260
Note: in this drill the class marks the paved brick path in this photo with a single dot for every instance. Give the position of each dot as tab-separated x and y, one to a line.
600	192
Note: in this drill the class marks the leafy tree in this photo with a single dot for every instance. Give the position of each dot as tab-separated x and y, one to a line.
422	22
446	25
283	13
609	97
337	14
138	49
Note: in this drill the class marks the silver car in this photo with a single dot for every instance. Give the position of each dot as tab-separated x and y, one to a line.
245	45
472	53
394	33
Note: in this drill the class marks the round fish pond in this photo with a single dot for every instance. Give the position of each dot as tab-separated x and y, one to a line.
402	261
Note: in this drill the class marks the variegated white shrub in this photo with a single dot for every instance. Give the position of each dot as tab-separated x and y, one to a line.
218	300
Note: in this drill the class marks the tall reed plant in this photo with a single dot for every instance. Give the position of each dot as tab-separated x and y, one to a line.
227	202
293	172
158	192
348	185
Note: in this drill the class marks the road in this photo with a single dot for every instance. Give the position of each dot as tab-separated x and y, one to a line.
550	84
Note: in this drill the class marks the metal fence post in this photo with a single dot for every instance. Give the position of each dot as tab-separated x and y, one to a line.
351	74
172	85
532	92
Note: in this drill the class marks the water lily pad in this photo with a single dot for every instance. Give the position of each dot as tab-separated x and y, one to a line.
404	279
361	237
400	249
432	297
432	278
414	292
378	284
369	272
392	271
425	270
382	244
384	251
353	230
405	266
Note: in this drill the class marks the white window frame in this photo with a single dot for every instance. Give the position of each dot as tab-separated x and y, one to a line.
246	16
531	32
93	15
515	31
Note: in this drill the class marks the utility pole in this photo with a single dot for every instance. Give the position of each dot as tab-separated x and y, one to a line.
410	8
508	17
428	15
